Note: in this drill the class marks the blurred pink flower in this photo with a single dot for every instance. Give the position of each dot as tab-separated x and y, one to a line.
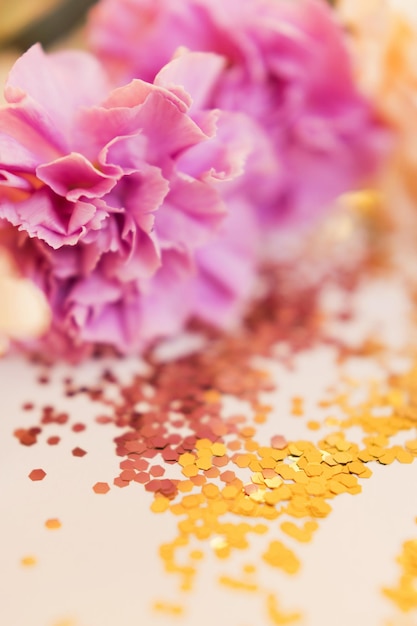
287	67
111	195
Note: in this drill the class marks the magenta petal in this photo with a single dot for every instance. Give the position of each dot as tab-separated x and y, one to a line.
168	129
9	182
141	262
66	262
229	149
115	199
14	154
95	290
128	96
163	309
129	152
38	217
193	210
146	195
287	67
33	130
196	72
105	325
73	176
82	214
41	217
46	83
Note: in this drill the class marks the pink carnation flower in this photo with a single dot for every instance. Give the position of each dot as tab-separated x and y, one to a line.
287	67
110	195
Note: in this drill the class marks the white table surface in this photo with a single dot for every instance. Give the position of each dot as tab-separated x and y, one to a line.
102	567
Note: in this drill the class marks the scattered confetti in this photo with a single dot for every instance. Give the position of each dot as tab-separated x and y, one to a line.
53	524
215	474
404	593
277	616
78	452
29	561
53	441
37	474
171	609
78	427
101	488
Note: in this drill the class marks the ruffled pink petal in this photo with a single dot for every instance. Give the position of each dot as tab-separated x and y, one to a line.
117	195
197	73
73	176
44	85
168	129
129	152
56	223
192	210
140	262
15	155
139	107
94	290
224	156
144	193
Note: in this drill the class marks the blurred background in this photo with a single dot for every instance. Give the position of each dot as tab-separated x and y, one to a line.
23	22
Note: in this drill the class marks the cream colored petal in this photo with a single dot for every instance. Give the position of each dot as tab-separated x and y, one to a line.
24	312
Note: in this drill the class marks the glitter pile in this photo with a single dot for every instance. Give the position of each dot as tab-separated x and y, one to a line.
212	469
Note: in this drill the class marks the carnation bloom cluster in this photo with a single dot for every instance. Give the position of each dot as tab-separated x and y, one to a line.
287	68
136	183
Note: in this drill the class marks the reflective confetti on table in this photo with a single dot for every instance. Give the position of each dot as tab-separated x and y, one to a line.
257	471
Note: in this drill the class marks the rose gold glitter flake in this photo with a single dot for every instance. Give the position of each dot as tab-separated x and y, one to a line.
158	442
213	472
227	476
127	464
78	428
157	471
101	488
149	453
278	442
220	461
27	437
37	474
49	416
78	452
119	482
53	441
142	477
128	474
153	485
140	464
169	455
198	480
250	489
135	446
103	419
168	487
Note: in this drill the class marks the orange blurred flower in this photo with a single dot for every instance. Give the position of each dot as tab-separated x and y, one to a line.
383	37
